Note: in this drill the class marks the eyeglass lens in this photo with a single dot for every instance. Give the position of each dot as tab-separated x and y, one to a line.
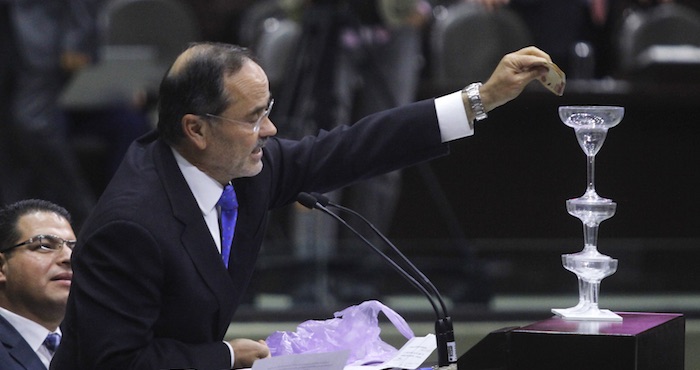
46	243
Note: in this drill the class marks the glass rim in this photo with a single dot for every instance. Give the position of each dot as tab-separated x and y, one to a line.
591	107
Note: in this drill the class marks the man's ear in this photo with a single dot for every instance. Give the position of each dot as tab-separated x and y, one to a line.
3	268
196	130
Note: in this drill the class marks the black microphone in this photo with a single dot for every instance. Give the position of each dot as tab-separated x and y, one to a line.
309	201
324	201
447	352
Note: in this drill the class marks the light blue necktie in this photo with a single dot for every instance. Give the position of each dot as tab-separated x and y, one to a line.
229	213
51	342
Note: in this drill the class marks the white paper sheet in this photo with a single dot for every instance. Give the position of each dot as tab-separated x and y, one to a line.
310	361
410	356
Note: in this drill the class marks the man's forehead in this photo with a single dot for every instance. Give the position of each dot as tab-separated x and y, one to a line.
249	84
35	223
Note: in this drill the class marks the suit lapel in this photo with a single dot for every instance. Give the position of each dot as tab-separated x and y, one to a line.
195	237
18	349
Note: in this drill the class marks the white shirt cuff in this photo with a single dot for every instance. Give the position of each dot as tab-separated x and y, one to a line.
233	356
452	117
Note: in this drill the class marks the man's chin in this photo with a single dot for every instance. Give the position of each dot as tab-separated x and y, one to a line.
252	170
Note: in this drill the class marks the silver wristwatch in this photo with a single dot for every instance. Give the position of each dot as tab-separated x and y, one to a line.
474	98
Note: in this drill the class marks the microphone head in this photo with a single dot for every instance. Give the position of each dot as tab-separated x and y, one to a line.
322	199
307	200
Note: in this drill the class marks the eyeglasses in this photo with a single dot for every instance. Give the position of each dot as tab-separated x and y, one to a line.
256	124
44	244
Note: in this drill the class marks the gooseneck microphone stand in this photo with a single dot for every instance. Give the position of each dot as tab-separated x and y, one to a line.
444	332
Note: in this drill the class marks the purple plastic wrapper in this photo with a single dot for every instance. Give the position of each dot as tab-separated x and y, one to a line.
355	328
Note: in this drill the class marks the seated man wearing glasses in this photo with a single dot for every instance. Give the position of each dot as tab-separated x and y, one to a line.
36	242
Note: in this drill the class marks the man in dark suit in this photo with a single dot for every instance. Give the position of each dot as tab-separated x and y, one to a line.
36	241
151	290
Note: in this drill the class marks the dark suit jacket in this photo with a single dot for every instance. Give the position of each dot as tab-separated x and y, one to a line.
15	353
150	290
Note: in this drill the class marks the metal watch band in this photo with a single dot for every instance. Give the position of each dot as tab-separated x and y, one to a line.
474	98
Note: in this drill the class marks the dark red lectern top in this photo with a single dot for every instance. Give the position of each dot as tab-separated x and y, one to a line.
633	323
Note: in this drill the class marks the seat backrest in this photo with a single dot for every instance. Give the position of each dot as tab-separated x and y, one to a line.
165	26
252	24
663	25
275	48
467	42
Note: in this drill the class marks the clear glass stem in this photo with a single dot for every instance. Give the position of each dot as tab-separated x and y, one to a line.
590	238
582	289
590	171
592	295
